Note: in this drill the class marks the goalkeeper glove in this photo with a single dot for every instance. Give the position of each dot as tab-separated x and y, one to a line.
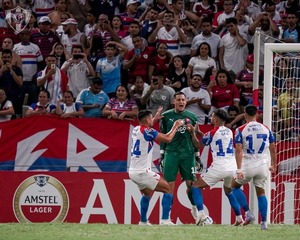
161	162
199	164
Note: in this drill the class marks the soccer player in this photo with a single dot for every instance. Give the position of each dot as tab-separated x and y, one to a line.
220	141
140	172
179	154
254	144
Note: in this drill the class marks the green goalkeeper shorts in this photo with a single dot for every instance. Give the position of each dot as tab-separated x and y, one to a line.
175	162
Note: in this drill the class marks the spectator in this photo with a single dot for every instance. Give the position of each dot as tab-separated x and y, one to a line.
93	99
270	8
292	33
63	17
11	81
59	51
53	80
149	24
223	91
91	23
208	36
103	30
32	24
219	21
107	7
55	16
6	5
78	70
41	8
234	118
282	71
72	36
160	62
9	44
233	48
202	60
269	32
205	8
6	107
198	99
121	107
134	30
132	13
244	81
178	77
42	107
66	107
210	75
137	60
253	10
44	37
117	26
136	92
31	62
109	68
169	32
157	94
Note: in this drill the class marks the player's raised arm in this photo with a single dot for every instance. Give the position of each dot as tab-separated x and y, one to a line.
166	138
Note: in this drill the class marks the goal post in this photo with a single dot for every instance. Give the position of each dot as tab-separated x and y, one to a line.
282	189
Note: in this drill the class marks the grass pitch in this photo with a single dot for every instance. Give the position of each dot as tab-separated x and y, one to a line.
66	231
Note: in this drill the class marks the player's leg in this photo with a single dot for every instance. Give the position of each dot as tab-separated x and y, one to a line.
259	182
232	200
170	174
144	205
241	198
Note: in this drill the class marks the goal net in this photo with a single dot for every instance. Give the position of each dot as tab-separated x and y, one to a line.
281	112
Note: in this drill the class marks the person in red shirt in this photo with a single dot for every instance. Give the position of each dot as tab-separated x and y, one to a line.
137	60
223	91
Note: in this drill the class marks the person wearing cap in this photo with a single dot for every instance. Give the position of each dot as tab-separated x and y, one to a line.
72	36
132	13
244	80
44	36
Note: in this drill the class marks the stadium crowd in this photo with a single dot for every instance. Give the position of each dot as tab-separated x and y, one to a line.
115	58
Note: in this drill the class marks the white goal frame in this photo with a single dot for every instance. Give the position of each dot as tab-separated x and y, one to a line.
270	48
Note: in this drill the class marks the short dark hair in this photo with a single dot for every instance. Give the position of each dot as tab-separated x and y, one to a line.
7	51
96	81
45	91
233	108
250	110
179	93
231	20
221	114
143	114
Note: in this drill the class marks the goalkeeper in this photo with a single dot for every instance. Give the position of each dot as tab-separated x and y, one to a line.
180	154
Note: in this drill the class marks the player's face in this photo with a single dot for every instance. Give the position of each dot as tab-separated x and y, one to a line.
180	103
214	119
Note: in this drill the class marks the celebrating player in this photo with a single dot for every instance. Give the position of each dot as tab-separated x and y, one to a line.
140	172
179	154
220	141
254	143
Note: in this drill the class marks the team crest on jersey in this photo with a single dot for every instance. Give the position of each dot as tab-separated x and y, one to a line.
145	56
17	18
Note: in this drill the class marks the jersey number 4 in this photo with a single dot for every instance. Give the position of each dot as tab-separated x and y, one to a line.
229	149
136	148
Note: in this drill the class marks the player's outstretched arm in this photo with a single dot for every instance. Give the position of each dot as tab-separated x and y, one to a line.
272	148
166	138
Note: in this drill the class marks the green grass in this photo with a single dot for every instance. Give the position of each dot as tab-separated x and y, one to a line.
57	231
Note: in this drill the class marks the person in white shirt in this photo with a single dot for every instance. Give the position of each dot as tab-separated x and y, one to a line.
140	171
6	107
198	99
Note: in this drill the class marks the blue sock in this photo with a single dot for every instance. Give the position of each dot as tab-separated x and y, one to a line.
198	198
166	205
234	204
241	198
263	207
190	196
144	208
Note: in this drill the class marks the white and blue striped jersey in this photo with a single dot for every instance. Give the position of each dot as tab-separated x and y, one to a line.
220	141
142	140
255	138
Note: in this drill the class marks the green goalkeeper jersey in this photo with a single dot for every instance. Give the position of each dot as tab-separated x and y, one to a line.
182	142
